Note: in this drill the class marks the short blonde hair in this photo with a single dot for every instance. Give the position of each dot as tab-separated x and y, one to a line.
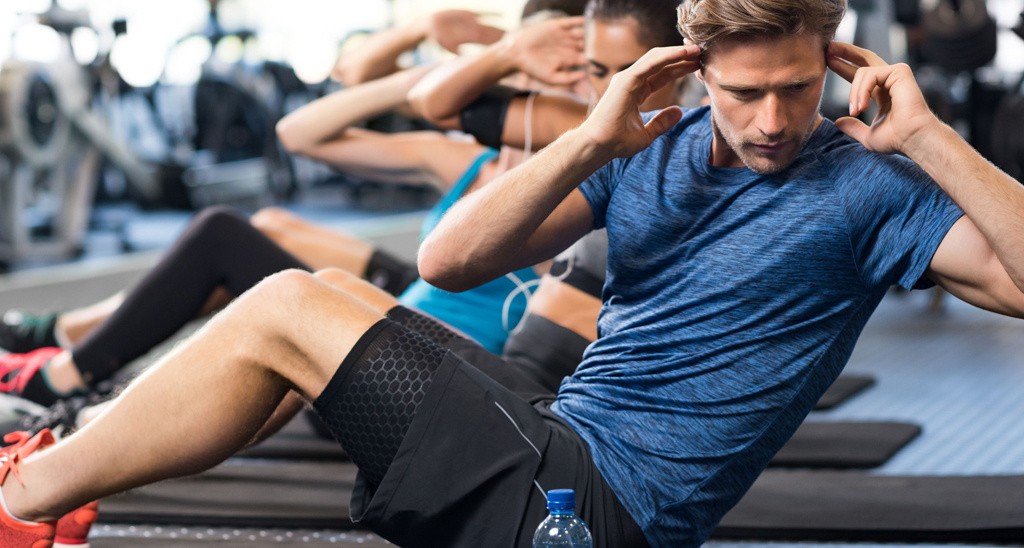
703	22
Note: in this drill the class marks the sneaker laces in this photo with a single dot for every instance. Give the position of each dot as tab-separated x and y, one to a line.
23	367
22	445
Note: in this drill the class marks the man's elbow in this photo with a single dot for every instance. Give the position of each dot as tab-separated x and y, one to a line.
442	270
287	135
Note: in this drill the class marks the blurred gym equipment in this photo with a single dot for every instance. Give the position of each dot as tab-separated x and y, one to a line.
47	165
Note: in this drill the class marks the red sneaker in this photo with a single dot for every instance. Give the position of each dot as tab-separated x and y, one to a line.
17	369
14	532
73	528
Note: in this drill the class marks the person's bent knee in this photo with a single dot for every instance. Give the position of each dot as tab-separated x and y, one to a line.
271	219
375	297
336	276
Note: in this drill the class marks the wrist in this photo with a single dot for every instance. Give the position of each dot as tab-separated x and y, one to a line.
589	149
928	136
419	30
502	58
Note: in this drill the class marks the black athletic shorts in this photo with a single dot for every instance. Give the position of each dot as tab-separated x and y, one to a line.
545	351
474	466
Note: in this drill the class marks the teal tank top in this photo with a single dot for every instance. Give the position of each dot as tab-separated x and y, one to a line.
486	313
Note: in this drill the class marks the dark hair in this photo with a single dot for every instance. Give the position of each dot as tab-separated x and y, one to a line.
568	7
656	18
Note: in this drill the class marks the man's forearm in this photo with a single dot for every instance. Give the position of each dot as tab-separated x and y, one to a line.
487	234
991	198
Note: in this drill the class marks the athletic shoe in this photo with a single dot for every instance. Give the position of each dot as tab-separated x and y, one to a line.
19	371
14	532
22	332
73	528
60	418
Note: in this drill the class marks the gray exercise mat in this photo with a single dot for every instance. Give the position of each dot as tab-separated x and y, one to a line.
845	387
842	445
856	507
246	493
243	494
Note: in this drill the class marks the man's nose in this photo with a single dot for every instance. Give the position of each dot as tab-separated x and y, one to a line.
771	118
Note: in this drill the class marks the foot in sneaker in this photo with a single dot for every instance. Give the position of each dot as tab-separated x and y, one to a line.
14	532
20	374
73	528
23	332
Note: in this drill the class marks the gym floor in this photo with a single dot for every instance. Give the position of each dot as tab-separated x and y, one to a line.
956	371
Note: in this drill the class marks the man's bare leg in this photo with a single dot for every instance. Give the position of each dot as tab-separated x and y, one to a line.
205	400
375	297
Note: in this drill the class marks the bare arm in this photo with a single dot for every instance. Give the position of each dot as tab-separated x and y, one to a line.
378	56
549	51
981	259
322	130
534	211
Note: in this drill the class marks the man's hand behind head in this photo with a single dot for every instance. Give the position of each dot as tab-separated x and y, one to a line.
903	114
615	124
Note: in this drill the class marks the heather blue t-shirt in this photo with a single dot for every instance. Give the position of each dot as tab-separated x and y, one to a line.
732	301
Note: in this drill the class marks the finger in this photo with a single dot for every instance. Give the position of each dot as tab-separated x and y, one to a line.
868	81
570	22
845	69
672	73
658	58
858	56
855	129
489	35
565	77
663	121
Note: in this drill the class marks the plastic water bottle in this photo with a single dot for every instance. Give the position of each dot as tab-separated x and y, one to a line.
562	529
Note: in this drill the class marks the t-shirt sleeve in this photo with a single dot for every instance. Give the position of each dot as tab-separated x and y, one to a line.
597	190
897	216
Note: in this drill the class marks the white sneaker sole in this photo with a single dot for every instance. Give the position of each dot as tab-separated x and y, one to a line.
58	545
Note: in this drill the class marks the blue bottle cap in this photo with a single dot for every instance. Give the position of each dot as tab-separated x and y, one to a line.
561	499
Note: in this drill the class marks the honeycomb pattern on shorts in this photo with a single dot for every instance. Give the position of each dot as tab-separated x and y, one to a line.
424	325
377	405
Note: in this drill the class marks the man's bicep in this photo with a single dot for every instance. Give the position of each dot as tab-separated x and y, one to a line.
570	221
965	265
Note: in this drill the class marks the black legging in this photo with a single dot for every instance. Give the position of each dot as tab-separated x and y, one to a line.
219	248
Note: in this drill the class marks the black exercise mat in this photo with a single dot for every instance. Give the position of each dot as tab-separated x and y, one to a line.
238	493
856	507
844	388
297	440
125	542
844	444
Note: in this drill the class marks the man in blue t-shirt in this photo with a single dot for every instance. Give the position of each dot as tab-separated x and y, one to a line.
748	244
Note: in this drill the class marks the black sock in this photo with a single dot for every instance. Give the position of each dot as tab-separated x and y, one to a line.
39	391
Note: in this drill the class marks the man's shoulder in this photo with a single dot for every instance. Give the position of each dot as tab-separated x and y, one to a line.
842	155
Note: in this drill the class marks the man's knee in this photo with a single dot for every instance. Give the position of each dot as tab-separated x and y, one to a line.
336	276
375	297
